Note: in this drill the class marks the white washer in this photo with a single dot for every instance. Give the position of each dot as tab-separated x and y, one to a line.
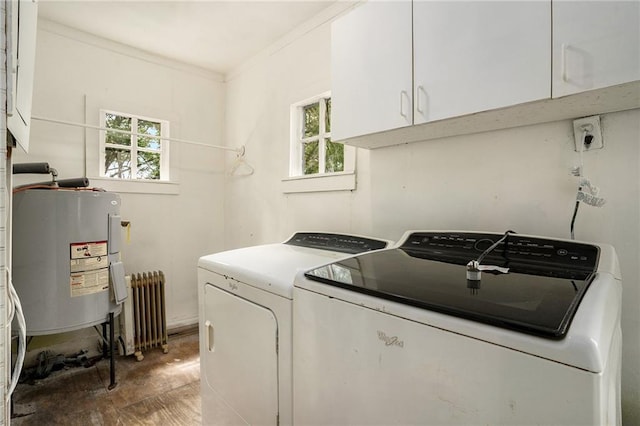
245	324
540	344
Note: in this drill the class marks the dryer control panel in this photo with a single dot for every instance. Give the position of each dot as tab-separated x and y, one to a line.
336	242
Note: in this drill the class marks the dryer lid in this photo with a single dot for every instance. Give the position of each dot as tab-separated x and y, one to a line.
273	267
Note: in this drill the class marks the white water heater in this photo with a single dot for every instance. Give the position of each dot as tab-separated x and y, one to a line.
66	267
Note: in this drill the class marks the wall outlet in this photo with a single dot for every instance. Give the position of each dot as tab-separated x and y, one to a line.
593	138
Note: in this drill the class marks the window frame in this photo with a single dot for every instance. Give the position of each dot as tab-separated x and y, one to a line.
133	147
296	182
298	141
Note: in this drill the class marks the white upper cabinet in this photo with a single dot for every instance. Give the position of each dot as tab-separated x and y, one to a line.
476	56
371	60
467	66
596	44
21	66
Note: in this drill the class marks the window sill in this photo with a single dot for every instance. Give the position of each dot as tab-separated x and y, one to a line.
136	186
341	181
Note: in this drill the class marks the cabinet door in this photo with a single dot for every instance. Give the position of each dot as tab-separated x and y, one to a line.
24	19
481	55
371	70
595	44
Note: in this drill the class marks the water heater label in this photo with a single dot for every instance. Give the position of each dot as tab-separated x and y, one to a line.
90	282
89	267
88	249
90	264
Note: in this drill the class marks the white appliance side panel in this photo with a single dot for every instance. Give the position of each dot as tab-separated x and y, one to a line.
611	381
354	365
240	355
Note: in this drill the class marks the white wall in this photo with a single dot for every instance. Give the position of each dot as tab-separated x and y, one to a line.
259	97
513	179
75	75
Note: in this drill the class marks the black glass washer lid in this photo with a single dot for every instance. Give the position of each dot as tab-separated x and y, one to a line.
535	297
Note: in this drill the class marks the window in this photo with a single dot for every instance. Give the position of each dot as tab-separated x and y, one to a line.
316	163
313	152
133	149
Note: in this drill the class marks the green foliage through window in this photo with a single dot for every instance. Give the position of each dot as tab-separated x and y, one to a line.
319	153
131	156
334	160
117	163
311	120
311	158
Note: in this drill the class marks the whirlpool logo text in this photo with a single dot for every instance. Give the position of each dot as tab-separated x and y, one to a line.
390	341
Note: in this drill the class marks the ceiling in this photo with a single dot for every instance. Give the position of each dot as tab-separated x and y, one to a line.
216	35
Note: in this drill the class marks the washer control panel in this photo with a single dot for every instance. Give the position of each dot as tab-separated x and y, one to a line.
336	242
515	248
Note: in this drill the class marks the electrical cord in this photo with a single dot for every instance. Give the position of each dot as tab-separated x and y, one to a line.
494	245
22	335
587	192
580	174
474	267
573	219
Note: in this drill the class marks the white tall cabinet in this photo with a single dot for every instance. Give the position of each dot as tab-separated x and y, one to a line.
595	44
481	55
371	59
21	55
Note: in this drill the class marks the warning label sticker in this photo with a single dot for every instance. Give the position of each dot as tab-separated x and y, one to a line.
90	282
89	268
89	249
89	264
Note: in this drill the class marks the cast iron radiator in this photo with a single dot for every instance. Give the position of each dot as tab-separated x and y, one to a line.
149	312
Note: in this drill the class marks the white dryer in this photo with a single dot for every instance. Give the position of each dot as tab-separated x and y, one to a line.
245	318
407	336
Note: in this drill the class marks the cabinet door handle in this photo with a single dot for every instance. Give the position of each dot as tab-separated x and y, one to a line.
209	337
419	101
403	94
563	60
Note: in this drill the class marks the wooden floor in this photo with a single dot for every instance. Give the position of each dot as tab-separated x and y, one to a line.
163	389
